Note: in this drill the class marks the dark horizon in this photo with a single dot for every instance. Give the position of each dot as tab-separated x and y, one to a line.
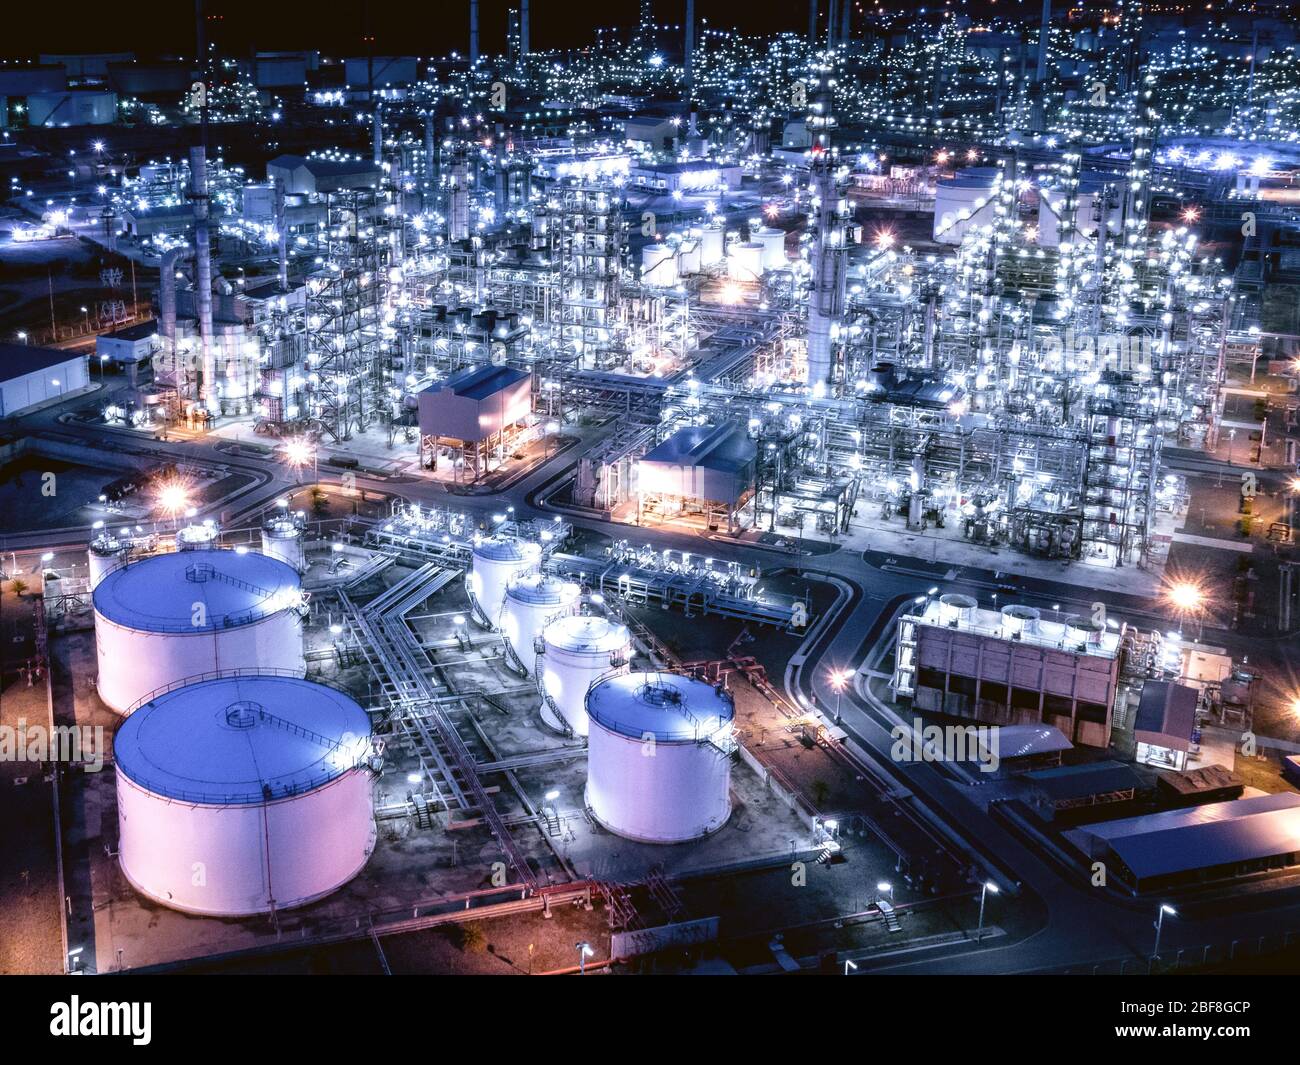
239	27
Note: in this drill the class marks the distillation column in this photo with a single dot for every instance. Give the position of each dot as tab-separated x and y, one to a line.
826	298
203	278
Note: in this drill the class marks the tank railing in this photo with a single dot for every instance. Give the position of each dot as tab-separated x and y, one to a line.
718	736
298	730
206	571
265	793
233	674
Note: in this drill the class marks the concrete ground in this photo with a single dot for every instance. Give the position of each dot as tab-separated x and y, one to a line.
410	865
30	942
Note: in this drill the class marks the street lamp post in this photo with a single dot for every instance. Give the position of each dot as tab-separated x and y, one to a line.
1160	925
848	966
584	952
984	893
839	680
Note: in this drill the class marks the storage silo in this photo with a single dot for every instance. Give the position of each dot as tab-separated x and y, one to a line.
658	265
659	756
712	246
773	242
240	795
688	257
105	554
170	617
282	538
532	601
580	649
496	560
745	261
962	201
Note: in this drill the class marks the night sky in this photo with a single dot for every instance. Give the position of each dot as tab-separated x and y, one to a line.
431	27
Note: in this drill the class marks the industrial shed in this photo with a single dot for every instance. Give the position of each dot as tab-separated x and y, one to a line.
131	346
1166	720
474	417
1217	841
313	175
1022	748
1069	789
31	376
704	470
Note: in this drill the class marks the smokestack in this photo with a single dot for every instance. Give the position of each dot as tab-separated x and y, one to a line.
812	22
830	23
377	136
690	48
523	27
203	276
473	33
1041	74
167	295
281	237
846	12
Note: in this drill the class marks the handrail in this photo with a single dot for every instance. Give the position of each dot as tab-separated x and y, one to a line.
233	674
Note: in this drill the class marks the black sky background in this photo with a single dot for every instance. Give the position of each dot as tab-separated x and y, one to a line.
338	27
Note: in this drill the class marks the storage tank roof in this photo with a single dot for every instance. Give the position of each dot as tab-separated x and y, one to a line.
541	589
667	706
586	633
507	549
242	740
160	594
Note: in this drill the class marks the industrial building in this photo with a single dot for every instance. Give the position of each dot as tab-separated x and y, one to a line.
31	376
703	471
474	418
1009	667
1165	726
1204	844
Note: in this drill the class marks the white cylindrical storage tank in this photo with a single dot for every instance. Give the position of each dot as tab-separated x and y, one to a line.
659	756
773	242
243	794
532	601
658	265
282	539
169	617
688	257
1018	620
495	562
963	201
579	651
105	554
745	262
196	536
712	248
956	609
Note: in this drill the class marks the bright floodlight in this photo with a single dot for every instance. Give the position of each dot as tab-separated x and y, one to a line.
298	452
1169	910
1185	596
173	499
991	886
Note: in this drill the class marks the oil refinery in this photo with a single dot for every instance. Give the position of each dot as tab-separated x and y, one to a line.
662	491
